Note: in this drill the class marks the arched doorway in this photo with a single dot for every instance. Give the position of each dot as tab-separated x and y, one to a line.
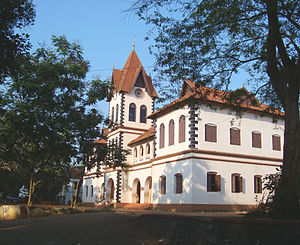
136	191
148	190
110	189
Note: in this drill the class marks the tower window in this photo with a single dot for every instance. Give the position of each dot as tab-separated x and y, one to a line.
132	110
143	113
112	114
117	113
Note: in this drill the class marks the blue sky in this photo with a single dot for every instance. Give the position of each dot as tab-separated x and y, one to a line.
105	33
103	30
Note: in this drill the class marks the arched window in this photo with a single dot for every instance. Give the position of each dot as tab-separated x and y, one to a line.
162	136
178	183
148	149
141	151
134	152
117	113
92	190
181	128
162	184
171	132
86	191
112	114
143	113
132	109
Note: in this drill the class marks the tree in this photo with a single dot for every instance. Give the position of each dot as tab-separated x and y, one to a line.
14	16
97	153
45	109
209	41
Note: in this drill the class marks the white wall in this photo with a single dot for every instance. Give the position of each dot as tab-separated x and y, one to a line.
247	123
165	119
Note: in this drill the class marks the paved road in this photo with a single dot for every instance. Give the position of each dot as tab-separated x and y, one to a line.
77	229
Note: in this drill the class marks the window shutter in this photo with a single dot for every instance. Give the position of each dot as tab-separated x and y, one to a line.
218	182
171	132
233	183
181	129
235	136
210	133
240	178
256	139
209	176
276	143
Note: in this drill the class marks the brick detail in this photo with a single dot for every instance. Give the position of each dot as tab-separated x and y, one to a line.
121	139
193	129
118	190
155	138
122	108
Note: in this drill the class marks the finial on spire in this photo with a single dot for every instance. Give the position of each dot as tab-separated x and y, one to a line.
133	43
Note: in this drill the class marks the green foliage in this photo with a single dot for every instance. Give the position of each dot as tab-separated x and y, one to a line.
46	123
14	16
209	41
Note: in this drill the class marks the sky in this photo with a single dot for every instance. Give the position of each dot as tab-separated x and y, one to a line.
101	27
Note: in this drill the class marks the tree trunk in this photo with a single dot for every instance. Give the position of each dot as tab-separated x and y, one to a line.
74	203
287	197
31	191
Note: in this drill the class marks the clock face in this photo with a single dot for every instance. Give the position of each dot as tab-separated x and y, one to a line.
138	92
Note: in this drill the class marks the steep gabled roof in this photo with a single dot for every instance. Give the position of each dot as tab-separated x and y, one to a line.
125	79
240	98
147	136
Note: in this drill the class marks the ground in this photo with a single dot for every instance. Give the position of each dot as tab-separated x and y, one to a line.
147	227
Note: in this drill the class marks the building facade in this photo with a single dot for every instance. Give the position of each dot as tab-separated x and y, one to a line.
196	153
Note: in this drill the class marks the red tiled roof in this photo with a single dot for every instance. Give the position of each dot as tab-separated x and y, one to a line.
125	80
100	141
218	96
144	136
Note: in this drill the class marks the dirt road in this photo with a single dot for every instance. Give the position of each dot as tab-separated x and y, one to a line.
78	229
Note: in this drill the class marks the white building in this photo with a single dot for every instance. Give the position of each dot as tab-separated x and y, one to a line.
192	154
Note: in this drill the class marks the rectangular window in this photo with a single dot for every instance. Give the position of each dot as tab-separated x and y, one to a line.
210	133
276	143
257	184
162	185
236	183
213	182
235	136
178	183
256	139
86	191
